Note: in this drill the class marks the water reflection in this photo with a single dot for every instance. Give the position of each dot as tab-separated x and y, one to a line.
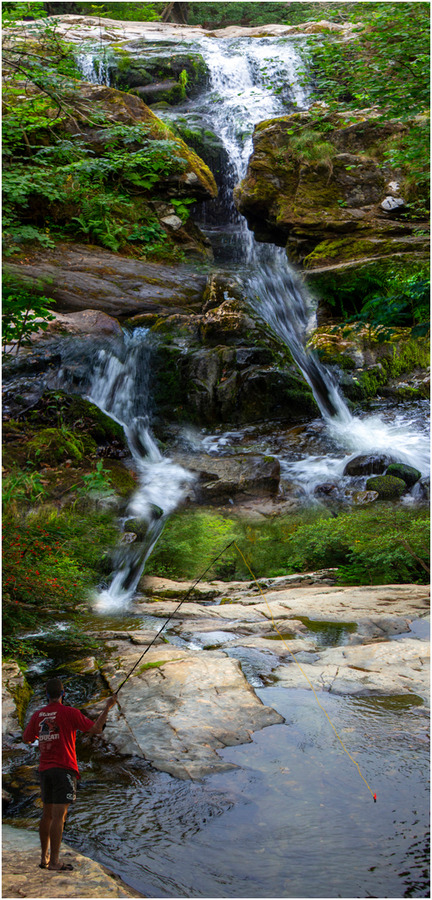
293	820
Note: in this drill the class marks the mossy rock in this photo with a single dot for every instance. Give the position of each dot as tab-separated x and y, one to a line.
123	482
21	693
408	474
53	445
129	71
387	486
78	414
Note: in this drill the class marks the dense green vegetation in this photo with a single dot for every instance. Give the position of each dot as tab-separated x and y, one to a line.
49	563
383	295
386	66
57	489
381	545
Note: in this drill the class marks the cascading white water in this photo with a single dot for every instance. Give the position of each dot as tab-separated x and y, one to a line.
120	387
94	69
251	79
255	79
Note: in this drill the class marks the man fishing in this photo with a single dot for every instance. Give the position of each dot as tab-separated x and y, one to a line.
55	726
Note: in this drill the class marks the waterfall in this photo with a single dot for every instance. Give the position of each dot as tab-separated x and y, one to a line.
120	387
93	68
252	80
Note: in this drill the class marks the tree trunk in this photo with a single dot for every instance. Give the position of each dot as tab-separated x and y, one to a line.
60	9
176	12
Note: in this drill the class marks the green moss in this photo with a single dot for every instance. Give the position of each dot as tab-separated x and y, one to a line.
53	445
21	695
408	474
387	486
157	664
122	481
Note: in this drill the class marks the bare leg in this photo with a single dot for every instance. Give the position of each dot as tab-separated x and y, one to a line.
44	834
59	812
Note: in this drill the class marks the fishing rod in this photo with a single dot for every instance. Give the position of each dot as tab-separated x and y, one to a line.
188	593
172	614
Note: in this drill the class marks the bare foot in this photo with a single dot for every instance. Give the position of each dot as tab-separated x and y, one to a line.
60	867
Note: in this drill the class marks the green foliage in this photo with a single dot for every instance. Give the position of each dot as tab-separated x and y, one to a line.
219	15
57	183
405	303
50	562
386	66
23	314
309	148
97	485
128	12
13	12
20	487
189	543
384	295
368	546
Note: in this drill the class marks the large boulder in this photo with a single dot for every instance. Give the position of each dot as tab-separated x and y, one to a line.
143	66
81	276
180	707
387	486
322	193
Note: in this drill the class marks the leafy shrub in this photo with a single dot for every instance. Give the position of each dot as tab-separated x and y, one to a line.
49	563
23	314
55	183
370	546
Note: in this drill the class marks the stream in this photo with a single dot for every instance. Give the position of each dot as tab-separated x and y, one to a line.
293	819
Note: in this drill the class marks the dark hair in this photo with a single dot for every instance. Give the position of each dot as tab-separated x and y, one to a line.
54	688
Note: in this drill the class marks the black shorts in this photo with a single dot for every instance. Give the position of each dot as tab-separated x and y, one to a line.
58	785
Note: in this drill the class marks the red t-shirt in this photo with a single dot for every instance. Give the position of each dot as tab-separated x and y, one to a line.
55	726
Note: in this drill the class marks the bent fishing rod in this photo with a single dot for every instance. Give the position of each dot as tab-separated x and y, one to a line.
172	614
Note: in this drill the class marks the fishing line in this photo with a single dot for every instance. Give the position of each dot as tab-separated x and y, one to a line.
188	593
304	673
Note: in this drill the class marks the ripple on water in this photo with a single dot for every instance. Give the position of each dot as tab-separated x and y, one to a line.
294	819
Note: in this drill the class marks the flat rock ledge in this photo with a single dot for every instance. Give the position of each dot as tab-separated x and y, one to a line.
180	707
22	877
188	697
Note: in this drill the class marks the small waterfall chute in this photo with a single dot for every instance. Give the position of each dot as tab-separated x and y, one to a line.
120	387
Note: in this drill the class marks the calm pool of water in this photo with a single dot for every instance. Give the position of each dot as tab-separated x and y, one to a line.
294	820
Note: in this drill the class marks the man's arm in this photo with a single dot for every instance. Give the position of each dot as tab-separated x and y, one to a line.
30	734
98	725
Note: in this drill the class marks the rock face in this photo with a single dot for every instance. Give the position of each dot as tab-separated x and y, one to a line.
321	194
126	109
180	708
211	360
81	277
15	696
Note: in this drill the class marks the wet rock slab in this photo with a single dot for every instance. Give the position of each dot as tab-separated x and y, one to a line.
180	707
83	277
389	667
